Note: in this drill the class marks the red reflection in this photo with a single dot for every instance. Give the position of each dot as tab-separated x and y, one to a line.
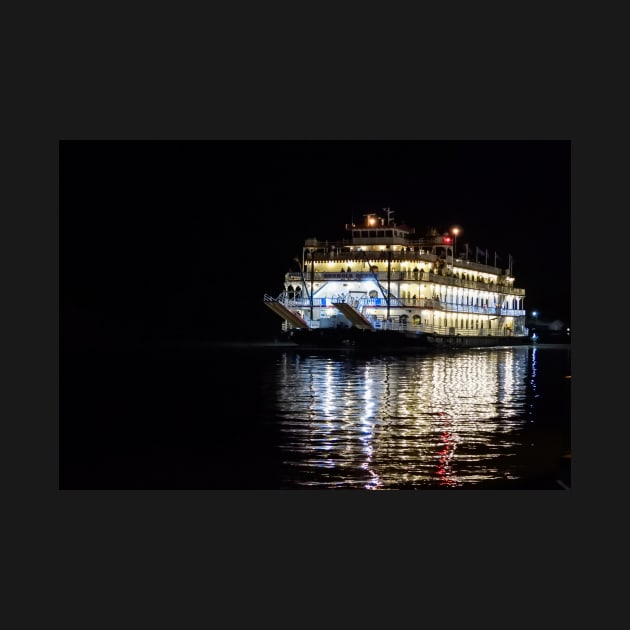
444	472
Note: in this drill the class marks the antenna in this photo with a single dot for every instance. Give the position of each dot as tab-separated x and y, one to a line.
389	212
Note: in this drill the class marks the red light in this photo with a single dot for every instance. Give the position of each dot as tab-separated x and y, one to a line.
447	239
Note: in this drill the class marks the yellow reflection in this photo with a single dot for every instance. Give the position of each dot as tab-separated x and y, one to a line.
386	422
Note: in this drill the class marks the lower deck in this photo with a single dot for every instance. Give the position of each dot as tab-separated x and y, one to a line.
443	320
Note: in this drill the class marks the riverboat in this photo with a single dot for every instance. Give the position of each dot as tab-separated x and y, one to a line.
384	288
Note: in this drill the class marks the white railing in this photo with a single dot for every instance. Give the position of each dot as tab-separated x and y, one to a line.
397	276
394	302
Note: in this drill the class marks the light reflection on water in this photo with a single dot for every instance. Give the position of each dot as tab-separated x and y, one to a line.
413	421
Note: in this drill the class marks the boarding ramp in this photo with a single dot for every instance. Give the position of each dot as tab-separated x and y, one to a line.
287	314
354	316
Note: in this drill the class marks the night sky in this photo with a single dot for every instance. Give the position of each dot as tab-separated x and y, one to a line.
180	240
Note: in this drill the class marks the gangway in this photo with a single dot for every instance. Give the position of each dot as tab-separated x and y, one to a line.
351	313
286	313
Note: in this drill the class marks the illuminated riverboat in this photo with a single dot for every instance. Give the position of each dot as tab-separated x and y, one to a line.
382	287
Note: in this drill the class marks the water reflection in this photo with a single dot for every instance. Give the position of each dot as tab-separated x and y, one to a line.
405	421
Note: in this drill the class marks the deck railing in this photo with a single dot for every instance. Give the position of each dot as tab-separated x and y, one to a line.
417	303
405	276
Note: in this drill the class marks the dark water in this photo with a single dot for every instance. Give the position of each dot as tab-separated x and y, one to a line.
271	418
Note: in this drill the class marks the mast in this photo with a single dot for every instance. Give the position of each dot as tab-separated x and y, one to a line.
312	280
389	276
389	212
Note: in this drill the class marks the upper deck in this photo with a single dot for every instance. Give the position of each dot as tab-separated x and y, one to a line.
384	233
380	239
